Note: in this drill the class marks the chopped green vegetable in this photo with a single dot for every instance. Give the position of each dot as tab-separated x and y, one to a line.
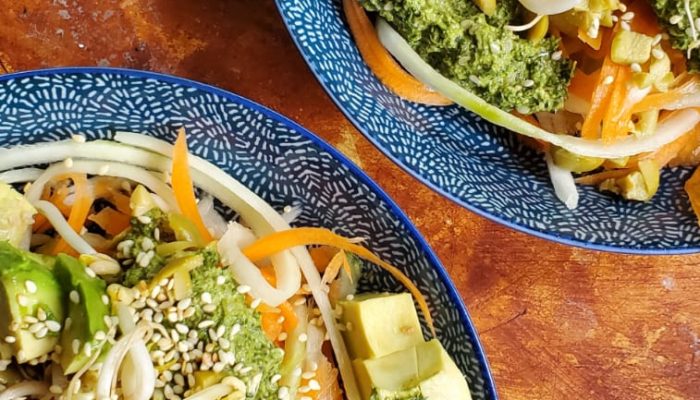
674	18
16	216
478	53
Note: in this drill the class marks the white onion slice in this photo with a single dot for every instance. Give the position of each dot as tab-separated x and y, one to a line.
669	130
213	392
143	373
138	376
35	389
521	28
563	182
131	172
21	175
549	7
61	226
214	222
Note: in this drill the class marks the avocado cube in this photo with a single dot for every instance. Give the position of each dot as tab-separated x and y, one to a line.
377	325
426	367
87	304
631	47
16	216
30	305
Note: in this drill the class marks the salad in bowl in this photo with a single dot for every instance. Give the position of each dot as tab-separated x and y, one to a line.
121	279
606	90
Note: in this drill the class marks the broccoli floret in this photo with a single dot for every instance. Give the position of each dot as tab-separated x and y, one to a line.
137	251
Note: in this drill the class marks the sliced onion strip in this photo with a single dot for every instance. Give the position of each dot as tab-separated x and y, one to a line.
61	226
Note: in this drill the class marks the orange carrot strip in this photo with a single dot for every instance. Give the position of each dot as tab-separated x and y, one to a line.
599	100
583	85
111	221
279	241
79	212
183	188
378	59
615	113
290	317
271	326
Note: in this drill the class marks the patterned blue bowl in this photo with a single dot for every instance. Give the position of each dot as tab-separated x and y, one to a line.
478	165
276	158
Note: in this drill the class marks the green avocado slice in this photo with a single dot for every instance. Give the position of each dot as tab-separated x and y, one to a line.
31	309
87	304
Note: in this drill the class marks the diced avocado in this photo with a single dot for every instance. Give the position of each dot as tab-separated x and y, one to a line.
426	366
31	308
631	47
16	216
87	304
488	7
395	372
141	201
574	162
441	379
377	325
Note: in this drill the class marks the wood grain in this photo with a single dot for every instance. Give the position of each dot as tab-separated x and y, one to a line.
557	322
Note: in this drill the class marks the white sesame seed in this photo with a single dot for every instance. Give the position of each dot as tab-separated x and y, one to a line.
475	80
625	26
22	300
636	67
90	273
308	375
100	336
283	393
206	324
255	303
206	298
243	289
68	162
32	320
306	398
184	303
314	385
275	378
674	20
172	317
34	328
31	286
87	349
282	337
224	343
209	308
41	315
235	329
608	80
628	16
556	56
182	328
74	297
78	138
220	280
53	326
300	301
75	346
145	219
105	299
495	48
304	389
10	339
67	323
303	338
657	39
657	53
528	83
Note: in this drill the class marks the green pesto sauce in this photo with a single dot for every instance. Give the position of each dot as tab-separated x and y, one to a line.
681	37
250	345
138	232
479	54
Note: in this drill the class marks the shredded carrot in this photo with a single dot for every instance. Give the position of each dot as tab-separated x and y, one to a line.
658	101
378	59
599	100
595	43
327	378
271	326
111	221
279	241
290	317
615	119
183	188
108	188
322	256
79	212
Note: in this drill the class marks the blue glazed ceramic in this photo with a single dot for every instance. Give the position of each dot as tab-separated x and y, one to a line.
276	158
478	165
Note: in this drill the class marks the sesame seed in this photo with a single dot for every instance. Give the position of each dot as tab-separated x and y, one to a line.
224	343
283	393
220	280
314	385
209	308
105	299
87	349
184	303
280	319
306	398
34	328
255	303
275	378
67	323
628	16
41	315
657	39
495	47
145	219
608	80
243	289
674	20
475	80
657	53
100	336
53	326
303	338
246	370
522	109
10	339
31	286
74	297
22	300
625	26
75	346
32	320
300	301
235	329
636	67
182	328
206	298
68	162
282	337
206	324
78	138
147	244
308	375
350	297
529	83
90	273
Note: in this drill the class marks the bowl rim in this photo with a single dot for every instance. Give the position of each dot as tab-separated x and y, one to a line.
547	235
453	294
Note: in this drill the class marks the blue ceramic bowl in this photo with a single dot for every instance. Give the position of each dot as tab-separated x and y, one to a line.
276	158
478	165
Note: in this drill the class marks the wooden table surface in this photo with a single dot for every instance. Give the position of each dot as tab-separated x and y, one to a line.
556	322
